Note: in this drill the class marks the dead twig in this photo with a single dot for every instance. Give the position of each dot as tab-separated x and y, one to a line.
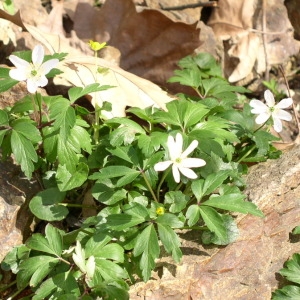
194	5
264	29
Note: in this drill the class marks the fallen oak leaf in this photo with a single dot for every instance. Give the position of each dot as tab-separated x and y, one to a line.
81	70
151	43
128	89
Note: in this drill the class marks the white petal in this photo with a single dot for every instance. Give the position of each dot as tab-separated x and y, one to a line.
32	86
262	118
190	149
282	114
188	173
269	98
284	103
42	81
192	163
277	125
19	62
48	65
175	146
38	55
18	74
176	173
161	166
258	107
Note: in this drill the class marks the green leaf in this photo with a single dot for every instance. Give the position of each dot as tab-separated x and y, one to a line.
136	209
262	140
4	119
24	152
147	246
64	115
151	143
27	129
51	244
6	82
190	77
46	205
82	137
125	134
34	269
208	64
205	187
23	105
96	243
215	127
67	181
109	270
292	269
106	192
214	222
193	214
128	174
234	202
54	237
121	222
289	292
124	153
2	135
170	241
60	284
13	258
77	92
67	152
111	251
177	200
209	237
296	230
182	113
170	220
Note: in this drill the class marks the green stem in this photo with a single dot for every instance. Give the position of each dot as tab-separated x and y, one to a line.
39	103
262	125
247	153
63	260
96	124
160	183
8	286
149	186
16	293
194	227
35	111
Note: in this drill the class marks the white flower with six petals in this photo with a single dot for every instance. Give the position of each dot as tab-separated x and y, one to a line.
179	160
273	110
33	73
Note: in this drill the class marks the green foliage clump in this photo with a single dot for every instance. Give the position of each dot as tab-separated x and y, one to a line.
139	210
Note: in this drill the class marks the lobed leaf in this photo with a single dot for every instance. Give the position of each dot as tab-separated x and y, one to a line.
147	246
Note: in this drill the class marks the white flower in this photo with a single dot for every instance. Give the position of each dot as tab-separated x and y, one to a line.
34	73
264	111
179	160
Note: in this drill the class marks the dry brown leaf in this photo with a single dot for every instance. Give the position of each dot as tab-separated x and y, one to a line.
150	43
240	22
79	70
54	22
129	89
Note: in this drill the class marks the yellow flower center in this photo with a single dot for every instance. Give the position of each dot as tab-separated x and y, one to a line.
33	72
178	160
160	210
